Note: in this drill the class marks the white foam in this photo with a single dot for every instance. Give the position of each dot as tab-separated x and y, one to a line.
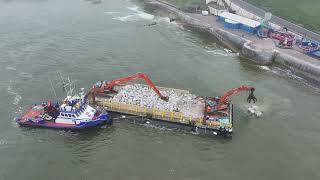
227	50
264	68
17	99
141	14
112	12
293	76
3	141
144	15
138	15
13	122
167	20
254	110
220	52
163	19
124	18
134	17
10	89
288	73
10	68
133	8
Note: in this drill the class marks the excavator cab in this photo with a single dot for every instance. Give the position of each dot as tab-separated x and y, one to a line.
98	84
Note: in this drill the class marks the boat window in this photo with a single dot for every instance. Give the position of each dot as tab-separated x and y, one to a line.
69	115
73	116
62	114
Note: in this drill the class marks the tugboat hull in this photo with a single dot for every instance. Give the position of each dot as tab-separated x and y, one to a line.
102	120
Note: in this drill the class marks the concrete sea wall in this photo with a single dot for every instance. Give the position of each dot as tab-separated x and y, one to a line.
246	48
306	69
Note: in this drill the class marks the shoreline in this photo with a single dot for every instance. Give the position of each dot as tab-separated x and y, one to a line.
259	51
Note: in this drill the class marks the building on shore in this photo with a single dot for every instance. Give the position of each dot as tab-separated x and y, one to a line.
216	7
234	21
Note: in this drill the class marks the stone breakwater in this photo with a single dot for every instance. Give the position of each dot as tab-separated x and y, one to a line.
299	63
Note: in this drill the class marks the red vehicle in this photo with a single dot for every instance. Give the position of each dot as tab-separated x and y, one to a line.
285	39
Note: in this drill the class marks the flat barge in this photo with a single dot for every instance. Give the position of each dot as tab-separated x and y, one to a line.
160	106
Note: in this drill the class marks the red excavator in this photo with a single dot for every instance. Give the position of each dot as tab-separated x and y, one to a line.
224	98
221	103
103	87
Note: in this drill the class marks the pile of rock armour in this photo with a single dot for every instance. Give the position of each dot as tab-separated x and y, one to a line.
179	101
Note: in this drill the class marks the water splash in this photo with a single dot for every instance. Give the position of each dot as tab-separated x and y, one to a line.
133	8
17	96
138	15
227	50
287	73
13	121
16	109
3	141
254	110
112	12
17	99
264	68
167	21
124	18
220	52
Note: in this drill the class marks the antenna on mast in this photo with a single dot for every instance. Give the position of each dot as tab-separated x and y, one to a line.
54	91
67	85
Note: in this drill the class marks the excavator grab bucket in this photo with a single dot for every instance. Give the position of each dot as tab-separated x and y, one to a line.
165	98
224	98
252	97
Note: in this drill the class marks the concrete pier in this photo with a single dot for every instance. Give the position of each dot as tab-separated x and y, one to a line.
260	51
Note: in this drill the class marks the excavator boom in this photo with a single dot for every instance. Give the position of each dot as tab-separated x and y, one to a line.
225	96
111	84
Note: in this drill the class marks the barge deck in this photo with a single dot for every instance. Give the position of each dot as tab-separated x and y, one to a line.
195	117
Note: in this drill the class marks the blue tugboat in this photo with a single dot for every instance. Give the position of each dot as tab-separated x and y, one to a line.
73	113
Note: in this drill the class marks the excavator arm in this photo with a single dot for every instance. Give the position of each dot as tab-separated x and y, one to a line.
224	98
111	84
